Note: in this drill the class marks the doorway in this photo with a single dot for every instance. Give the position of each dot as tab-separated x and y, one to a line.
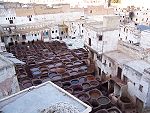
119	72
99	71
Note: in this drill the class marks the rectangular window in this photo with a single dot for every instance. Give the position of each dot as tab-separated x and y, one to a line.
62	33
89	41
24	37
109	64
141	88
11	21
29	19
52	31
100	37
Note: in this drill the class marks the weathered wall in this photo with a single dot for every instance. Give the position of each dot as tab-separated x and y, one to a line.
8	80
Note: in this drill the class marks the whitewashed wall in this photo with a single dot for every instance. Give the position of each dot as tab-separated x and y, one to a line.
108	43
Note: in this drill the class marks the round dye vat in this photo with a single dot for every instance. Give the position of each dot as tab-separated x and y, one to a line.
34	69
75	81
83	97
60	70
36	82
66	84
86	85
94	83
57	77
52	74
36	74
73	73
82	79
103	100
69	64
53	70
113	110
90	77
26	80
58	64
103	111
77	88
94	103
77	63
26	85
65	75
95	93
51	66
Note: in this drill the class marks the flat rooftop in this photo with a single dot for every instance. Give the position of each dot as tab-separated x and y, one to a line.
118	57
40	97
138	65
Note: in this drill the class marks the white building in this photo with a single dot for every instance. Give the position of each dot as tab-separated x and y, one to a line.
136	75
102	36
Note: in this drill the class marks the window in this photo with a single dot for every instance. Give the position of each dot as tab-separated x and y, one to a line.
24	37
136	19
82	31
14	17
100	37
124	29
52	31
56	31
89	41
141	88
123	16
11	21
90	11
126	37
82	25
137	13
109	64
99	57
62	32
29	19
119	34
35	34
6	18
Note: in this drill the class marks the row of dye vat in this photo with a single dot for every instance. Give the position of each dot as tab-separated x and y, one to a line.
51	73
80	84
25	80
110	110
